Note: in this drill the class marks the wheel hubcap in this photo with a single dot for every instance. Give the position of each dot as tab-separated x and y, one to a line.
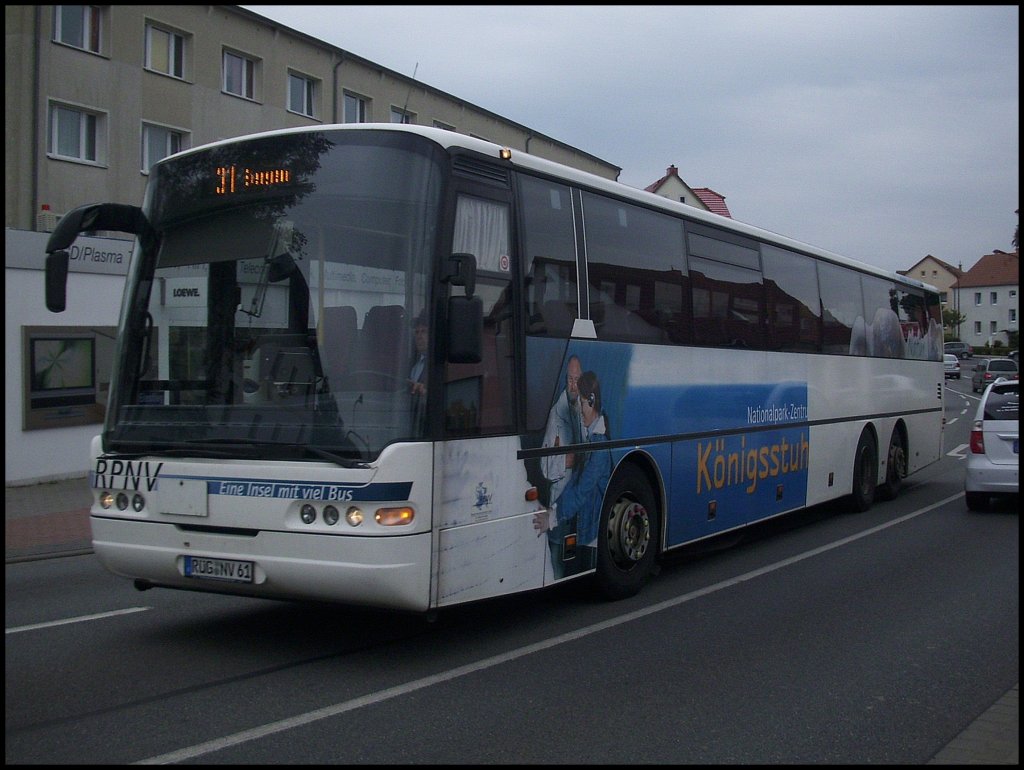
629	532
897	461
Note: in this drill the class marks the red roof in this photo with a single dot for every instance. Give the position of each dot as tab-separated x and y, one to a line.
998	269
714	201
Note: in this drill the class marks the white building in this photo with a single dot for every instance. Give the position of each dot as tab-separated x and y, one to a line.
987	296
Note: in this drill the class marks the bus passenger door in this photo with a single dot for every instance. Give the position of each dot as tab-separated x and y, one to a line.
478	398
487	545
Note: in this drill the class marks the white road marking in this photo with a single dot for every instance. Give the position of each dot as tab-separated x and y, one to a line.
79	619
255	733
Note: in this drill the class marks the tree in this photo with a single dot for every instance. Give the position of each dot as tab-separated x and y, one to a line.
951	319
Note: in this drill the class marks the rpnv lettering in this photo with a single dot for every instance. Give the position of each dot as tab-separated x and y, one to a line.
126	475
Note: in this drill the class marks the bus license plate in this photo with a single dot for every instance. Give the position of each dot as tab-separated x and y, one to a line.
218	569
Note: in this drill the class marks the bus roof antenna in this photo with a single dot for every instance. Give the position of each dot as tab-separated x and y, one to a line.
405	115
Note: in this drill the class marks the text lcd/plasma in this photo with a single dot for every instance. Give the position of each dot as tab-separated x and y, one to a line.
232	179
218	569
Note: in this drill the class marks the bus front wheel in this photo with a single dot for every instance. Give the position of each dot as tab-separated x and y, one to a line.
865	473
627	540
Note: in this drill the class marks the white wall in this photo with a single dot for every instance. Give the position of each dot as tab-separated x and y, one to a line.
94	299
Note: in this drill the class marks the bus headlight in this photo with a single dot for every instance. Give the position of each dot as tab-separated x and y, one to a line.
307	514
138	502
106	499
392	517
122	501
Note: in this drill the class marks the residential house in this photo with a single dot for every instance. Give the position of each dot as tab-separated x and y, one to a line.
987	295
673	187
935	272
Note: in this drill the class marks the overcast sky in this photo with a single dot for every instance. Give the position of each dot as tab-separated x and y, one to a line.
882	133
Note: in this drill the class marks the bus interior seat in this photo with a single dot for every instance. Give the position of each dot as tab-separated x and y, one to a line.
340	329
384	341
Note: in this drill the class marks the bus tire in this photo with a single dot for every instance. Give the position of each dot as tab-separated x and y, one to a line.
865	473
895	467
627	541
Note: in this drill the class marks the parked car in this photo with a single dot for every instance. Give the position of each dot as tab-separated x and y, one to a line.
959	349
993	463
952	364
989	369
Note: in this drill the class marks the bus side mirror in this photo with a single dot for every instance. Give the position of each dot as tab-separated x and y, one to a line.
462	272
98	216
465	330
91	216
56	281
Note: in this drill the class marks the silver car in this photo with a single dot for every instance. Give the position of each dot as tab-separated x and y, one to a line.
952	364
989	370
993	462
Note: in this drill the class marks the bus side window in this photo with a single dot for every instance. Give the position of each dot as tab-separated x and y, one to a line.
634	269
558	318
794	305
843	326
728	289
549	250
727	305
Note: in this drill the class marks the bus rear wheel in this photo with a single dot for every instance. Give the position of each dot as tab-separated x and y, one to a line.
865	473
895	467
627	540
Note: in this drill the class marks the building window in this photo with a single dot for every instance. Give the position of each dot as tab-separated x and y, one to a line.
74	134
401	116
1013	315
300	94
355	109
993	298
977	299
977	328
165	51
445	126
159	142
78	26
991	327
239	75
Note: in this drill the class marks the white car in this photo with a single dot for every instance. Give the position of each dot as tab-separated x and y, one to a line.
993	462
952	365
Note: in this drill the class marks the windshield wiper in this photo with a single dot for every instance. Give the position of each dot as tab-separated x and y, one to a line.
338	459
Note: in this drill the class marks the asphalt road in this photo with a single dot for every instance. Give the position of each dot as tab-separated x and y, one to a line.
826	638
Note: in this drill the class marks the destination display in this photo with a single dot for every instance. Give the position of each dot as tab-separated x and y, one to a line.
234	179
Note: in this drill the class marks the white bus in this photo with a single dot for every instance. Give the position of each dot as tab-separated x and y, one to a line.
606	375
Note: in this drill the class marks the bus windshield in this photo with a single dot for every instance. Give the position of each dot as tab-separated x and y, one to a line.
272	312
